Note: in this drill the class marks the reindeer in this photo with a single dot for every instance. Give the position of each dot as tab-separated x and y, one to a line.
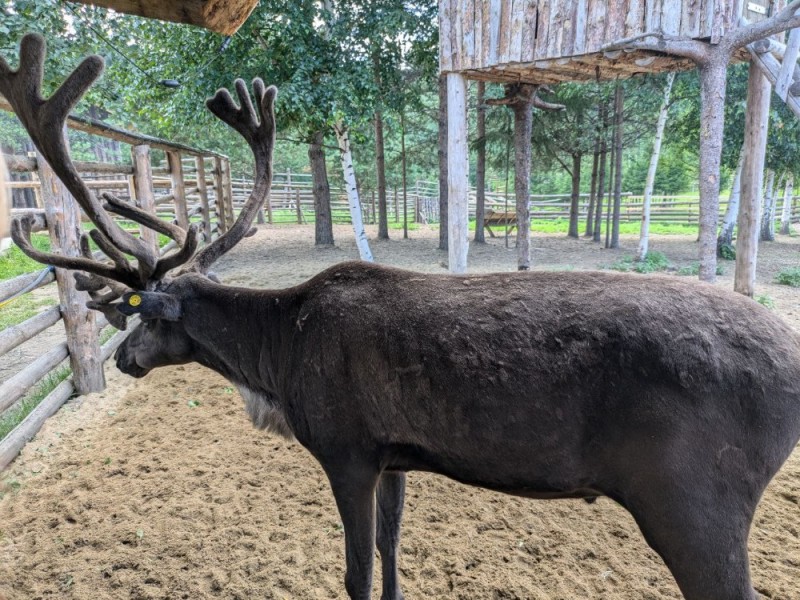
677	400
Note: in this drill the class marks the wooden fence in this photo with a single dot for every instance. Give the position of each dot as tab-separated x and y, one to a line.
292	201
192	186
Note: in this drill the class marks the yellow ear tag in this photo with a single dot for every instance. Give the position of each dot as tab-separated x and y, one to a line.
135	300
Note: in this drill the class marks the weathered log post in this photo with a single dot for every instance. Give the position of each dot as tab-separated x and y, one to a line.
457	173
143	189
220	195
755	146
228	191
202	191
178	188
64	224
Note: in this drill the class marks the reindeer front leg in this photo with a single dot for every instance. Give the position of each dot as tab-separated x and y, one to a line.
353	488
391	494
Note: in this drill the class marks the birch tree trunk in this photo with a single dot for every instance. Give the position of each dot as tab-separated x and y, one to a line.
786	215
323	225
768	215
480	167
644	234
755	144
725	238
352	192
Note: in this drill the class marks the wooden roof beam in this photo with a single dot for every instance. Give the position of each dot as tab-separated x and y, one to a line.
220	16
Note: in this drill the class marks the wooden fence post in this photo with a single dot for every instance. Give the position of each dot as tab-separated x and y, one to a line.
64	224
178	188
143	189
199	163
297	206
222	222
228	191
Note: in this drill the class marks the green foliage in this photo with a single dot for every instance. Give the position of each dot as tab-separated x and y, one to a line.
654	261
727	252
790	277
694	270
766	300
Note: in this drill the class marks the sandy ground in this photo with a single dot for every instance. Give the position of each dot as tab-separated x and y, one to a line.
160	488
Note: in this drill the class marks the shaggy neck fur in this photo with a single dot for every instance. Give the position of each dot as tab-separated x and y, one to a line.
240	334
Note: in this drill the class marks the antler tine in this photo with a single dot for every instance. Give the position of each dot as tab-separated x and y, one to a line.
261	138
44	120
142	217
181	256
21	234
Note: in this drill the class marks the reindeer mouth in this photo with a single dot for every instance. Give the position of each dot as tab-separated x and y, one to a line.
128	365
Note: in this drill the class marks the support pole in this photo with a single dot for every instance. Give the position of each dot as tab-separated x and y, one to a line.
200	167
178	188
457	173
64	223
755	147
143	188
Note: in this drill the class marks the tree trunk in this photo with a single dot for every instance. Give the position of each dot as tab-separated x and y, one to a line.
323	226
725	238
403	171
352	192
712	122
575	198
593	190
380	164
768	214
443	162
612	163
755	146
601	178
786	215
480	167
619	119
523	126
644	234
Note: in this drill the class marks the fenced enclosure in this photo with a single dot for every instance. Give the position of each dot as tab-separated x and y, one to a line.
292	201
193	186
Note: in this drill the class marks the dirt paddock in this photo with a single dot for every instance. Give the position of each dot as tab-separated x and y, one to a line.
161	489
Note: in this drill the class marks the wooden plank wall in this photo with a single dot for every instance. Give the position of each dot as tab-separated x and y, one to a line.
481	34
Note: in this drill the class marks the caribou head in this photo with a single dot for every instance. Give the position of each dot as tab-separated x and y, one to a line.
133	279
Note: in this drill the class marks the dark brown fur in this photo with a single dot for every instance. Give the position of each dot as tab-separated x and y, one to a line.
676	399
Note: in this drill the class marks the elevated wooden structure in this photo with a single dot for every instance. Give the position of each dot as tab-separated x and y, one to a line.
550	41
221	16
543	42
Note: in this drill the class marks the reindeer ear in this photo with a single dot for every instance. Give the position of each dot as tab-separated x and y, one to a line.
151	305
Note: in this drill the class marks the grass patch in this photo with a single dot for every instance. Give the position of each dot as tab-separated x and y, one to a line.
727	252
789	277
694	270
14	263
23	308
766	300
15	415
653	262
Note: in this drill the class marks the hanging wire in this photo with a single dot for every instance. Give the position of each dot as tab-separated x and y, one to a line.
169	83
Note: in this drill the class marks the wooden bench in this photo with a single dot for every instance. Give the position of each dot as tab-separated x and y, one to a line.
505	219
